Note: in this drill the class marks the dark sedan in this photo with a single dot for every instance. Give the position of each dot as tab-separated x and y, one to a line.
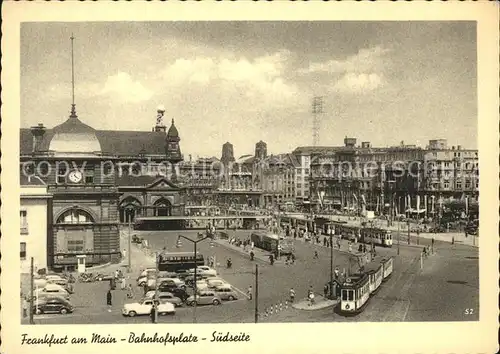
52	305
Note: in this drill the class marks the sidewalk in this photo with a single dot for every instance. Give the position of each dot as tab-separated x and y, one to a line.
319	303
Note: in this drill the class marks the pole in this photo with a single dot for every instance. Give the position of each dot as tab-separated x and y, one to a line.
399	225
408	222
155	302
331	266
256	293
129	268
32	281
421	261
195	280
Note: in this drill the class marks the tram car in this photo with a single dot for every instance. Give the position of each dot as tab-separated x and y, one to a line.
377	236
357	289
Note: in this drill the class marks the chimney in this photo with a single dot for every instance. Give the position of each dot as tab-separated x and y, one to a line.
459	147
38	132
365	145
453	148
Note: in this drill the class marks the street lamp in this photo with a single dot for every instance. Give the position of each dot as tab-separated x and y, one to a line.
331	263
195	243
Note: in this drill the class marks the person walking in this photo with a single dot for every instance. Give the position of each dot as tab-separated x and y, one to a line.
109	300
292	295
25	306
271	259
249	292
123	283
252	255
325	291
316	255
130	292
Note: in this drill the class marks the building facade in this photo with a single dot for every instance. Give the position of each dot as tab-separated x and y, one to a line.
36	223
99	179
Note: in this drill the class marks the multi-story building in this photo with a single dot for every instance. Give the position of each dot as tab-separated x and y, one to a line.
277	179
398	179
98	179
36	223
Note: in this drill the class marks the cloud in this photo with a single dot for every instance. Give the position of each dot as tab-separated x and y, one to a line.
123	87
366	60
261	77
358	83
359	73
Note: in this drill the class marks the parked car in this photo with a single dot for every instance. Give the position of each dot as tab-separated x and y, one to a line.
203	270
52	290
145	306
52	305
215	282
190	278
204	298
136	239
178	292
226	292
165	297
166	281
146	272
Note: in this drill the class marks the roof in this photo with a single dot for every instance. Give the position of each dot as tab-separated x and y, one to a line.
172	131
113	142
245	159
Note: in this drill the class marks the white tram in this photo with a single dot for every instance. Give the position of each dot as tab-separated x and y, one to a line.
379	237
357	289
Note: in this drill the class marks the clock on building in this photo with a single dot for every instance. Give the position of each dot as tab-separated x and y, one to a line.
75	176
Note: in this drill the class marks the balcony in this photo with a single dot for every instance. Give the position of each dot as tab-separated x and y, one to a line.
24	229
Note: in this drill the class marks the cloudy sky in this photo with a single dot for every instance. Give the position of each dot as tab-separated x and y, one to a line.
248	81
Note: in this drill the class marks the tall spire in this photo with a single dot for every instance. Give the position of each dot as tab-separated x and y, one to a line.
73	108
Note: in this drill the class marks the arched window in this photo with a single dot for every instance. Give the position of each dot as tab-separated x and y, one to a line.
130	208
163	207
75	216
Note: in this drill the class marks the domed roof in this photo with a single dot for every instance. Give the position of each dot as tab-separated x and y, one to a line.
73	136
172	131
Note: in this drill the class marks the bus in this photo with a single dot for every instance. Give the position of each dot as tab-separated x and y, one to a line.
270	242
179	261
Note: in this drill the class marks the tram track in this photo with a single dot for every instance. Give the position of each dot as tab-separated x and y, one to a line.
391	304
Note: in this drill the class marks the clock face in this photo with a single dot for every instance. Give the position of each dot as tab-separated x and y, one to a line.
75	176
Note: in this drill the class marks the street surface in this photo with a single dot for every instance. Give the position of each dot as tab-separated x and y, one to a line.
443	290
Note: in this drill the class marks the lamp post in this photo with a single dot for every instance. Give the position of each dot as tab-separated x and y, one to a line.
331	263
195	243
129	265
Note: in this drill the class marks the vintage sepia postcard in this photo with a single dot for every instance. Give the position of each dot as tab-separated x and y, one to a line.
249	176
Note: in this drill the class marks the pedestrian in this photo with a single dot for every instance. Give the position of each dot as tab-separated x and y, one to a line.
292	295
271	259
350	247
252	255
249	292
124	252
25	306
123	283
325	291
109	300
130	292
316	255
293	258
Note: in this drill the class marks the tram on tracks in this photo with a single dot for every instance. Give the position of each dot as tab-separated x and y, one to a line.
375	235
357	289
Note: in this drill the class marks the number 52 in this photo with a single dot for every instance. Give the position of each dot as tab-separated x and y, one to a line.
469	311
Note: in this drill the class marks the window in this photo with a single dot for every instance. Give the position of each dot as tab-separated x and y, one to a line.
61	173
75	245
23	250
89	176
75	217
24	221
459	185
467	183
446	185
350	295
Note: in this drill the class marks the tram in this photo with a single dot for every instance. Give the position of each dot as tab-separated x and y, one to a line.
357	289
375	235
